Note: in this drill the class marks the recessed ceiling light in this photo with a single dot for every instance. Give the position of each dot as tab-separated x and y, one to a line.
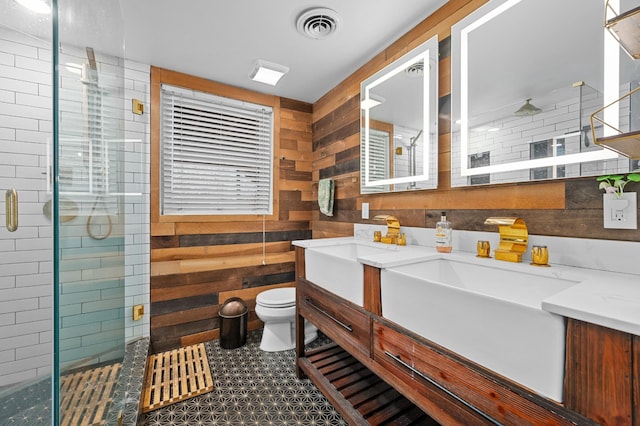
73	68
372	101
267	72
37	6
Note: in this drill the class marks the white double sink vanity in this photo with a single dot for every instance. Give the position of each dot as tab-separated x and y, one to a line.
487	338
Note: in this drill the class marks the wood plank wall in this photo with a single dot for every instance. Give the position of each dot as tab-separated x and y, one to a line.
198	263
571	208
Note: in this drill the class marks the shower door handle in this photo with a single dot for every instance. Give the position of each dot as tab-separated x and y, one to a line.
11	204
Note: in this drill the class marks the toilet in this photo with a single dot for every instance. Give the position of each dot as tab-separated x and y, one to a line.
277	309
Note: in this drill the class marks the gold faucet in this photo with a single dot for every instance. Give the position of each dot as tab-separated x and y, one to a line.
514	238
393	229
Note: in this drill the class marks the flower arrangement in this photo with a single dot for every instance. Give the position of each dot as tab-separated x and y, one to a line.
614	184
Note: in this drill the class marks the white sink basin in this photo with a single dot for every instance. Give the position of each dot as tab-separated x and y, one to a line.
336	268
488	312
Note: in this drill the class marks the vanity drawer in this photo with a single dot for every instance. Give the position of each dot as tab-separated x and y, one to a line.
345	323
408	363
454	390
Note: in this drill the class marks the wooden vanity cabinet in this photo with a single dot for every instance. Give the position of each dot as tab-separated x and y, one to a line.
343	372
447	387
407	364
602	378
450	389
345	323
438	380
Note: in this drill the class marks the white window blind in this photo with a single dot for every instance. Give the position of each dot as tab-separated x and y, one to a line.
216	154
378	160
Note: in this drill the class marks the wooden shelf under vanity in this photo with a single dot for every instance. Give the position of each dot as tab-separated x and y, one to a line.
360	396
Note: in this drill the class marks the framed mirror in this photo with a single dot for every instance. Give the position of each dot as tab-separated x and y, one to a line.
399	124
526	76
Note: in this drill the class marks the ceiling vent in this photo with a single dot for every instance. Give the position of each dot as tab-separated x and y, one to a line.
415	70
318	23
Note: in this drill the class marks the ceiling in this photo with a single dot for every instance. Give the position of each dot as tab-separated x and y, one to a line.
220	40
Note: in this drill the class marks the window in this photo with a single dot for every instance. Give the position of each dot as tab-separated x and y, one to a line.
543	149
378	160
216	154
480	160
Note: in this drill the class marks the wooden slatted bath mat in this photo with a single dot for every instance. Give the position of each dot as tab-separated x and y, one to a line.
176	375
87	395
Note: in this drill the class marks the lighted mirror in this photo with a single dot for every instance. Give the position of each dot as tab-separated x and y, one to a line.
400	124
526	76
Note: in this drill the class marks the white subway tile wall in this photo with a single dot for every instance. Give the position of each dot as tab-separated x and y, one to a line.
137	211
511	137
26	255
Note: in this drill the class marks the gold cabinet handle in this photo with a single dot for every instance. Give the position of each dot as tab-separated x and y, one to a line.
11	204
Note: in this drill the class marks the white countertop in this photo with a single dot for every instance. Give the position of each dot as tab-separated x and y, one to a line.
323	242
605	298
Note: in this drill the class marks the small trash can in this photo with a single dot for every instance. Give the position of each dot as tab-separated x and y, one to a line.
233	323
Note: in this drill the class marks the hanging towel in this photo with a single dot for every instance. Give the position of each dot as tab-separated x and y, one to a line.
325	196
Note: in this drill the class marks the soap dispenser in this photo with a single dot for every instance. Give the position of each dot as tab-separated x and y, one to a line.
443	234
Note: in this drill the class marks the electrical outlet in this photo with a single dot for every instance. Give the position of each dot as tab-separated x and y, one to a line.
365	210
621	213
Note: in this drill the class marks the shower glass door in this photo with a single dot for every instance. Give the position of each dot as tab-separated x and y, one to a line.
89	164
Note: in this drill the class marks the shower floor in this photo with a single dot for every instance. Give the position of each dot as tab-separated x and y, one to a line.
87	396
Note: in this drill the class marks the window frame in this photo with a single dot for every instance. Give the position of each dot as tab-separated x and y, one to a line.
161	76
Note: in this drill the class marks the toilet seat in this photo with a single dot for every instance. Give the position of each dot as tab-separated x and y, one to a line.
277	298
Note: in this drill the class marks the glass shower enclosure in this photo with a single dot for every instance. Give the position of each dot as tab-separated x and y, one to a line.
65	180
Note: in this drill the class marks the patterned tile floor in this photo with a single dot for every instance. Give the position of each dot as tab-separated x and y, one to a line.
251	388
30	406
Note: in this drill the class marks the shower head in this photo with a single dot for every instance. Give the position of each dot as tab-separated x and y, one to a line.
414	139
408	143
91	57
90	70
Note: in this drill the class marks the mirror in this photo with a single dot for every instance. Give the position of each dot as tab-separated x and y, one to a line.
526	76
400	124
